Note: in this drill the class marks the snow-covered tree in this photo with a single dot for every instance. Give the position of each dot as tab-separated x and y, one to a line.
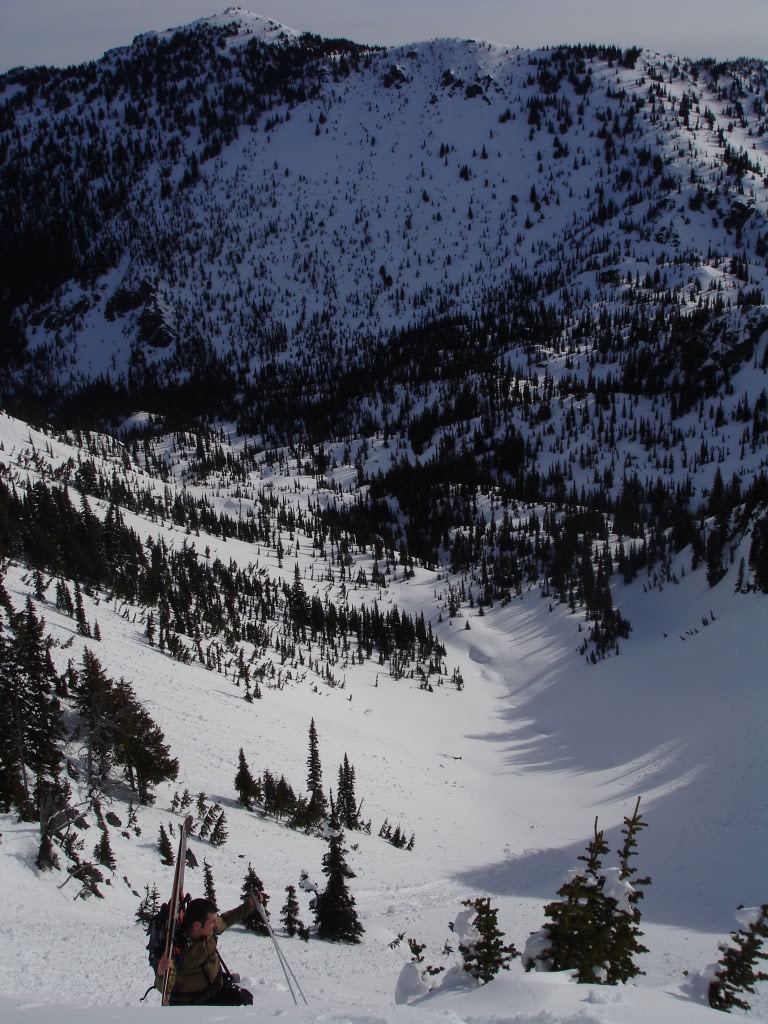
594	926
486	954
735	972
335	913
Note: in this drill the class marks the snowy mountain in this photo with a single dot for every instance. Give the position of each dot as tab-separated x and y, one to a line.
419	394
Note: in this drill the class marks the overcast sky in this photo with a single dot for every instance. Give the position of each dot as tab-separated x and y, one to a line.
70	31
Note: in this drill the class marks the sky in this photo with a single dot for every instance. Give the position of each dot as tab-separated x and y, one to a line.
65	32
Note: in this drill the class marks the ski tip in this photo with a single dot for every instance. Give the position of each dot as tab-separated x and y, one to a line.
188	822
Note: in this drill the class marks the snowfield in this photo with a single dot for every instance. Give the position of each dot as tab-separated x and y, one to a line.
500	783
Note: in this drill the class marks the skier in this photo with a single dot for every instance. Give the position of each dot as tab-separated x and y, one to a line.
198	975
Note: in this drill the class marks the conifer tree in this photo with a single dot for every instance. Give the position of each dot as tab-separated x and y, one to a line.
736	968
208	822
577	934
165	848
82	622
64	601
208	887
317	803
102	852
149	905
252	885
346	801
289	914
625	933
335	914
245	784
594	928
30	712
487	956
220	834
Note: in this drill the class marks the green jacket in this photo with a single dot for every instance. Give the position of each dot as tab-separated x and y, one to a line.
197	969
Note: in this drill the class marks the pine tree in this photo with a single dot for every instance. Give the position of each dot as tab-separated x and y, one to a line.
208	886
335	914
64	601
289	913
208	822
93	698
32	716
625	934
149	905
488	955
253	885
594	928
736	967
346	801
82	622
220	834
102	852
317	803
245	784
578	932
165	848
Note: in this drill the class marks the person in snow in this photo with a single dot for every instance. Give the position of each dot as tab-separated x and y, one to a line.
196	974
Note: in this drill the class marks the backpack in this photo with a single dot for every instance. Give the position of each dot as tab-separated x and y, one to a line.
157	929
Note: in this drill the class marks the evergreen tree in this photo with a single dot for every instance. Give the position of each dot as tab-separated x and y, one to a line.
82	622
93	698
624	941
208	822
487	956
245	784
149	905
102	852
209	889
165	848
578	931
736	967
335	914
594	928
140	745
220	834
12	783
64	601
317	803
289	913
346	801
30	712
252	885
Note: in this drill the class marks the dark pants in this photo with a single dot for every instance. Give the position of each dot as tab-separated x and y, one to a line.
229	995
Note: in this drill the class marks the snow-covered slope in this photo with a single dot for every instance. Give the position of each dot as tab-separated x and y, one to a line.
499	782
449	331
264	195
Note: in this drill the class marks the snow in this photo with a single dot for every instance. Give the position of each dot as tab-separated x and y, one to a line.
500	783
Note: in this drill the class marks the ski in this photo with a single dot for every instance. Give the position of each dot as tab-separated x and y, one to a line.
177	893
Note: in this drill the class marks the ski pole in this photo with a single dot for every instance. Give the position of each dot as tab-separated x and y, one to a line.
281	957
